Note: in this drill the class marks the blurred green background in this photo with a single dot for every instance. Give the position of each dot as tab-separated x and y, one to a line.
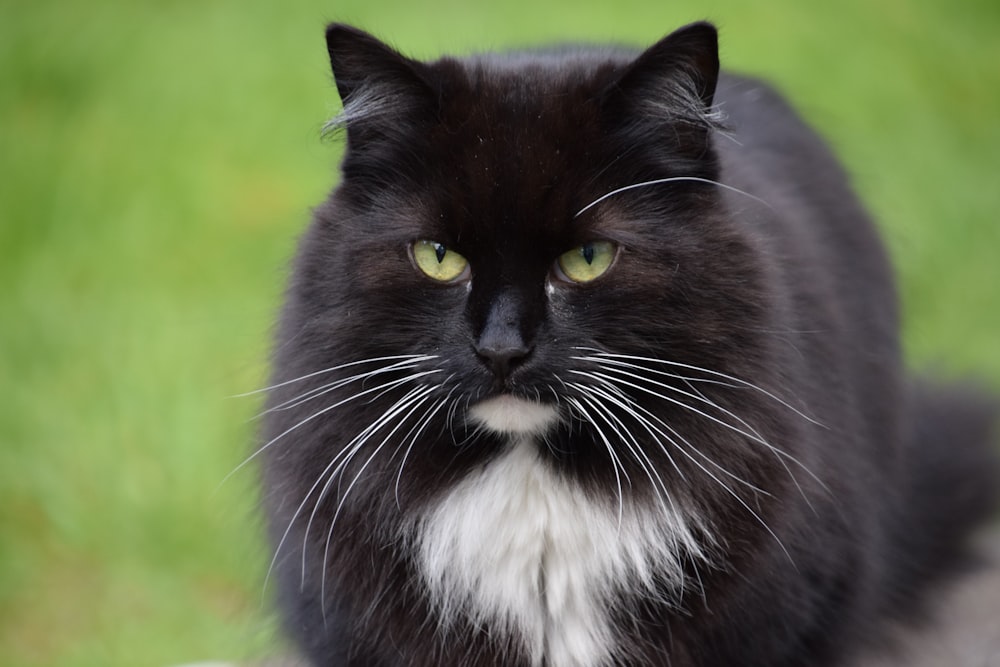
158	159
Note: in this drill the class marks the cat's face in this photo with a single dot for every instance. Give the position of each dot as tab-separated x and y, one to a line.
479	262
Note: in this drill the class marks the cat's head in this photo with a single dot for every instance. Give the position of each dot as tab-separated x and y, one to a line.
530	243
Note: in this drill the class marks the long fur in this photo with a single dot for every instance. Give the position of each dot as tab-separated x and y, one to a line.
524	550
708	455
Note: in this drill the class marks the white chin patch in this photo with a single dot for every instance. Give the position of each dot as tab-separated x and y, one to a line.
509	414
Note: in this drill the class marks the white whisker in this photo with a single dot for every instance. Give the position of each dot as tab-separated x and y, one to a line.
417	430
660	181
615	461
685	441
417	398
325	474
611	393
681	404
698	397
421	357
349	450
753	434
332	386
346	450
724	486
676	364
638	453
388	385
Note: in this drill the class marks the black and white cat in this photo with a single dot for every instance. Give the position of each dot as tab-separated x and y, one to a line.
592	358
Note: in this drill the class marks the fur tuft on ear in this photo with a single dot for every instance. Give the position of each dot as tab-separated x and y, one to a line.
675	78
372	78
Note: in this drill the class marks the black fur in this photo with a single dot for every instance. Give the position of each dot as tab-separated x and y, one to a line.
784	285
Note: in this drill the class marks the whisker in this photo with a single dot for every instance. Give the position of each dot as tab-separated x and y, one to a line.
690	446
724	486
357	443
616	462
779	453
388	385
626	404
417	431
422	357
677	364
295	516
680	536
344	455
753	434
698	397
660	181
605	361
452	413
638	453
658	433
415	402
332	386
678	403
346	450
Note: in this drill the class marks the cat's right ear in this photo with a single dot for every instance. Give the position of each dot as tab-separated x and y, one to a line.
377	84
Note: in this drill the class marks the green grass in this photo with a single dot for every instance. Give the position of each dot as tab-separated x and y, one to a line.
158	159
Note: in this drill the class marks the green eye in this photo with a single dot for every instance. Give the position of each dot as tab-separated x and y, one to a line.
587	262
439	263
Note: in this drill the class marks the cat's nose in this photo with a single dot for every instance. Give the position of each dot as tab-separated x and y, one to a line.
501	344
502	356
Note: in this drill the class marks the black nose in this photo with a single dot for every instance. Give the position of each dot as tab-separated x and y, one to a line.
501	344
502	356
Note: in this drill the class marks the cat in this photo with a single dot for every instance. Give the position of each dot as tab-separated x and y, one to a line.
592	358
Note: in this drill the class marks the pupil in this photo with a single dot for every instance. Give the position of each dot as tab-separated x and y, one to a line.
440	251
588	253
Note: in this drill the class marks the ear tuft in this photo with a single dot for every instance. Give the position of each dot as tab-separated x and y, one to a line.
372	78
676	77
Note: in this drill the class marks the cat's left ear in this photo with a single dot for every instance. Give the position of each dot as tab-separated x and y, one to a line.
676	76
688	57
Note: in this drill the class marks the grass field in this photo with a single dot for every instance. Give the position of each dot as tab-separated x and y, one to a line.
157	160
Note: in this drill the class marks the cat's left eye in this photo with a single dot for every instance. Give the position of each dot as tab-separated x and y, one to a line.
586	262
439	262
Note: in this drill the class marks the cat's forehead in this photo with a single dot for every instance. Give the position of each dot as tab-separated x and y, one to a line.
549	99
519	149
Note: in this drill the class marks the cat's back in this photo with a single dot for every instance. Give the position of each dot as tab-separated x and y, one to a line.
765	146
784	184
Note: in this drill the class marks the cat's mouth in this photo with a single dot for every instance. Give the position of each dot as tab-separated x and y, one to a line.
509	414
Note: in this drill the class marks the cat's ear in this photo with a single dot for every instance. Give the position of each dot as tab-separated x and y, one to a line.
377	84
674	79
687	57
666	93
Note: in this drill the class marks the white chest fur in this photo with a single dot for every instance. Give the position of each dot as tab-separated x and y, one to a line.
528	553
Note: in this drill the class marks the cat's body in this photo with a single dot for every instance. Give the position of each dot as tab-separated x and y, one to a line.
696	445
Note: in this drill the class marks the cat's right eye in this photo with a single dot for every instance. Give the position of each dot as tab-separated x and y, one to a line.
438	262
